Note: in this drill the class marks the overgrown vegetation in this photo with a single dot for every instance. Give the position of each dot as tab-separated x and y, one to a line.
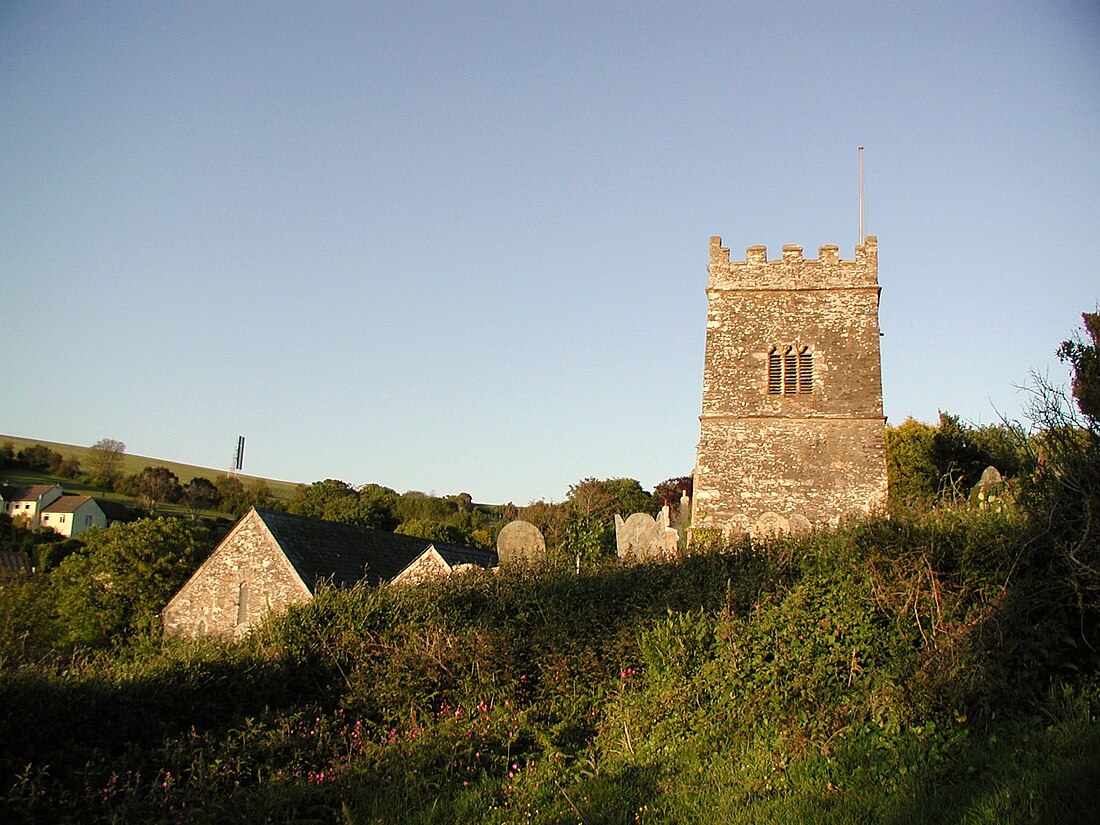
912	670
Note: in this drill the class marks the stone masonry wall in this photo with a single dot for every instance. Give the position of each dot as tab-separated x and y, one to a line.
246	565
808	457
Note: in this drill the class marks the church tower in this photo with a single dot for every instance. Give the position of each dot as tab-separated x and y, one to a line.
792	430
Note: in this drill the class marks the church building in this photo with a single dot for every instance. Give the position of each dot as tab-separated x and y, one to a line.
792	428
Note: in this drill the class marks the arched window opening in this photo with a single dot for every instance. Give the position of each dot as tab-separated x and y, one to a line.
242	604
805	371
790	370
775	372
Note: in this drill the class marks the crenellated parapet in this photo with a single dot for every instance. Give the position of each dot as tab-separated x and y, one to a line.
793	270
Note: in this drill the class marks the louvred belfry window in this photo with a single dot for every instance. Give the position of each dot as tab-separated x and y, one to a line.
790	370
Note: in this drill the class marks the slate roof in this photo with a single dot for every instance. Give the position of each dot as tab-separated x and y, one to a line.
344	554
25	493
455	556
114	510
66	504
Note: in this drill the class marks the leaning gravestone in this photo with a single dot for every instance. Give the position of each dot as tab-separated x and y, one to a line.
520	542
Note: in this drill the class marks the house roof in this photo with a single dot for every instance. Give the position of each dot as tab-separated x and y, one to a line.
114	510
345	554
67	504
455	556
31	492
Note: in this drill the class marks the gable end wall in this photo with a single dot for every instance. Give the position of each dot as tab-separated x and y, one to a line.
209	603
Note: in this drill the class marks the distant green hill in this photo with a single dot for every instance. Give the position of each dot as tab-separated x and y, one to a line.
132	464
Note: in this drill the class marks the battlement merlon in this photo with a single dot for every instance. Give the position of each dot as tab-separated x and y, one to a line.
792	270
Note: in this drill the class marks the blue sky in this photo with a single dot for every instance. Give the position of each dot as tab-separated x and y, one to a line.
463	247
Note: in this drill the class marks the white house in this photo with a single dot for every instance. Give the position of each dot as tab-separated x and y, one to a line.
72	515
24	504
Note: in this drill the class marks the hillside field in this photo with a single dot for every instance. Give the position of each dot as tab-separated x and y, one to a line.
131	465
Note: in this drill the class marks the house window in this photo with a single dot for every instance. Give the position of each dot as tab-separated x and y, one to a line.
790	370
61	519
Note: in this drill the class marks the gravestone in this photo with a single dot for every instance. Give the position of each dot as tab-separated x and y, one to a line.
800	525
770	525
641	537
520	542
989	490
683	515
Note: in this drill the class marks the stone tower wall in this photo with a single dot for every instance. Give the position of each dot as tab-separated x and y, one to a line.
775	456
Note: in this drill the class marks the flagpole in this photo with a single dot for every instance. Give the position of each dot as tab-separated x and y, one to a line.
862	237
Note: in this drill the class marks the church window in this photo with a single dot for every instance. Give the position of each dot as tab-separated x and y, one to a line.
242	604
790	370
805	371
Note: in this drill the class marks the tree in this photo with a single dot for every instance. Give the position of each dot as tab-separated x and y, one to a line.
628	496
123	577
69	467
260	493
910	470
154	486
435	531
376	506
234	498
926	463
551	518
106	460
592	505
1084	357
199	494
417	505
39	457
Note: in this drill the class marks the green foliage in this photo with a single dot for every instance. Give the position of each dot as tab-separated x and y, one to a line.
551	518
152	487
39	457
28	631
199	494
872	674
377	507
591	507
910	470
106	462
118	583
335	500
1084	357
68	467
435	531
927	464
